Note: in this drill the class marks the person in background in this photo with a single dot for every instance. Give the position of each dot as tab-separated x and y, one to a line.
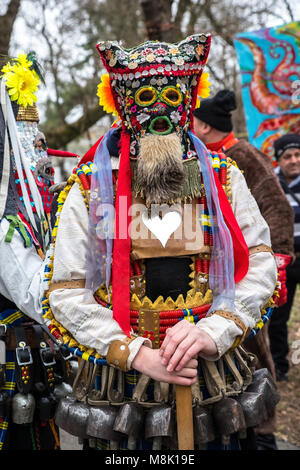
213	125
287	153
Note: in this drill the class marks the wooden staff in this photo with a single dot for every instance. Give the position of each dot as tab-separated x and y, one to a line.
184	412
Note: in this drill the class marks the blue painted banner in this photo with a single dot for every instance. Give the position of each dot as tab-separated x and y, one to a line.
269	62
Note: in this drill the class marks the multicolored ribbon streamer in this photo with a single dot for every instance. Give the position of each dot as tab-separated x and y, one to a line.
225	230
101	219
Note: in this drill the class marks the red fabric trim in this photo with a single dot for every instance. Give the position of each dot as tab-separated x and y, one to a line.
61	153
29	228
240	248
122	246
223	145
123	71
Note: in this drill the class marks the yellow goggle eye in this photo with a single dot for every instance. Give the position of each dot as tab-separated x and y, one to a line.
145	96
171	96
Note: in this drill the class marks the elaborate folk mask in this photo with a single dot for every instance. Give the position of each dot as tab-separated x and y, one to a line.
154	85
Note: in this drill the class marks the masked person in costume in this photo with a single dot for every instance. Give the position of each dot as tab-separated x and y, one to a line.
156	276
32	368
213	125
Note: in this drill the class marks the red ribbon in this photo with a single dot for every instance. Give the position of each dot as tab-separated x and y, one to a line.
122	240
240	248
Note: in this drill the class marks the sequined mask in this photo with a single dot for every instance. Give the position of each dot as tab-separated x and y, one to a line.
154	85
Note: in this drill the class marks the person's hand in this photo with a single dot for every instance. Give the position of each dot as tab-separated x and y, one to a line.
183	342
148	362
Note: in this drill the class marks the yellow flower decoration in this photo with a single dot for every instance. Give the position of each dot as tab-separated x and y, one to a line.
7	68
203	88
21	82
22	59
104	92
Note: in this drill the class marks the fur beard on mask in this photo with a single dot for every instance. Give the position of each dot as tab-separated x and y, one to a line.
160	173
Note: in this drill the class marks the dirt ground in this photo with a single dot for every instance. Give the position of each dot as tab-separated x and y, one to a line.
288	409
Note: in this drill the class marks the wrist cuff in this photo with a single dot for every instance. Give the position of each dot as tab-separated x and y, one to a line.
237	321
118	353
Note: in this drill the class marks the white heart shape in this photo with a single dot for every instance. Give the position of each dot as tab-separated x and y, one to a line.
163	227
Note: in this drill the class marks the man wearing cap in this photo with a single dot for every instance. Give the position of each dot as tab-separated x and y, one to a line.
287	153
213	125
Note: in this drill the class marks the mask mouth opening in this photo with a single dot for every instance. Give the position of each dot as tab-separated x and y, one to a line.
161	125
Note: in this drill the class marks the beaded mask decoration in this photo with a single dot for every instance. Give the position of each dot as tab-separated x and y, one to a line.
154	85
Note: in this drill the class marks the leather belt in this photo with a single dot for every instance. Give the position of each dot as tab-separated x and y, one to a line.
47	356
24	362
75	284
10	338
260	249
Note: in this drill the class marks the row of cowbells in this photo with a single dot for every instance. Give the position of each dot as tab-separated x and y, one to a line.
22	407
132	421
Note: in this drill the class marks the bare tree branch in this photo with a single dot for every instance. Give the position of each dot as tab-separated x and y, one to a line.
158	20
183	7
289	9
60	136
6	25
219	29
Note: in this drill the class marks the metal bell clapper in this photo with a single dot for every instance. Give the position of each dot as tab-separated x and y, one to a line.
23	406
229	418
159	423
203	426
253	407
265	387
101	422
129	421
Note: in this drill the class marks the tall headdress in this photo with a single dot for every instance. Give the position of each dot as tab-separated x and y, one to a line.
19	83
